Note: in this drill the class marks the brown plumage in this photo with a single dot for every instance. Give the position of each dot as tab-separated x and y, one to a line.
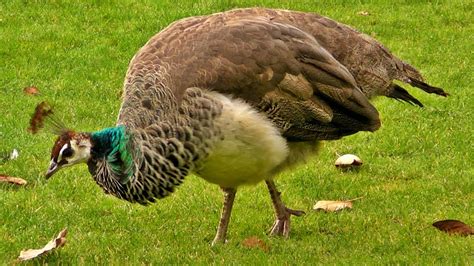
373	66
236	98
277	68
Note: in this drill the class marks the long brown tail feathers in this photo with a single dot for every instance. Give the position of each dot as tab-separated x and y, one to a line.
400	94
427	88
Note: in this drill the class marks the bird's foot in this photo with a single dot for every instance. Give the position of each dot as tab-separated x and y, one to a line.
218	241
281	227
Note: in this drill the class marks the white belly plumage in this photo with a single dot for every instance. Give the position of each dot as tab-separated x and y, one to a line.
250	151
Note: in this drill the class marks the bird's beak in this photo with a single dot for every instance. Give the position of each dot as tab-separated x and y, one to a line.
53	168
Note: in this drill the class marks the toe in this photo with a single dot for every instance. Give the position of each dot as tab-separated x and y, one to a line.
295	212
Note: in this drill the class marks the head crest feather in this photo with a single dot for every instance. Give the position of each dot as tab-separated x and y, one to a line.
45	117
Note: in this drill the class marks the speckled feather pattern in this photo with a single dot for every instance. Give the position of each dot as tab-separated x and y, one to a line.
252	59
308	77
373	66
164	152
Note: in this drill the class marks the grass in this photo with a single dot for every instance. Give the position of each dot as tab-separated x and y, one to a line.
418	166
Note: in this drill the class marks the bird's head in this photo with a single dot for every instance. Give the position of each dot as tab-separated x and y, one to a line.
69	149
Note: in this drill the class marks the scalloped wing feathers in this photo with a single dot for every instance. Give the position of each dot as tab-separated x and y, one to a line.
250	59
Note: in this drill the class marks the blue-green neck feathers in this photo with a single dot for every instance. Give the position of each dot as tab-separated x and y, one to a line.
113	145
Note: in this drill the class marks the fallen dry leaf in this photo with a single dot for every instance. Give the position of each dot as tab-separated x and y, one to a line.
31	90
333	205
363	13
347	161
454	227
12	180
255	242
42	110
55	243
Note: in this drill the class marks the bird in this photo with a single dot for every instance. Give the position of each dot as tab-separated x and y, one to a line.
236	98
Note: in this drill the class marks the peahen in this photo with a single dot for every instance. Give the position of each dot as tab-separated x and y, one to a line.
236	97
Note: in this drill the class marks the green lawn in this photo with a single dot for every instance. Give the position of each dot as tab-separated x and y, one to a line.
419	167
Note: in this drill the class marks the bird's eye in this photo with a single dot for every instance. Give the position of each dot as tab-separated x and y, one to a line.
68	152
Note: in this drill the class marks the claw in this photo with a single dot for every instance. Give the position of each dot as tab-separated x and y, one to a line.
281	227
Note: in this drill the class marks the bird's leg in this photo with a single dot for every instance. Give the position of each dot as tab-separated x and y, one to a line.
229	196
281	227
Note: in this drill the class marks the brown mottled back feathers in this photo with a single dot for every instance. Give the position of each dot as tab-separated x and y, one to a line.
373	66
264	62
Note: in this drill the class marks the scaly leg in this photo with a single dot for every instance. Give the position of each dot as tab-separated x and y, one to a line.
281	227
229	196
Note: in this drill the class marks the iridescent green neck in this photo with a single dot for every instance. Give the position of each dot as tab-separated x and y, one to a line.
112	144
107	140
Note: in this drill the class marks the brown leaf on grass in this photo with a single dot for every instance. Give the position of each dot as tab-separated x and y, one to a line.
42	110
363	13
31	90
55	243
12	180
454	227
255	242
333	205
